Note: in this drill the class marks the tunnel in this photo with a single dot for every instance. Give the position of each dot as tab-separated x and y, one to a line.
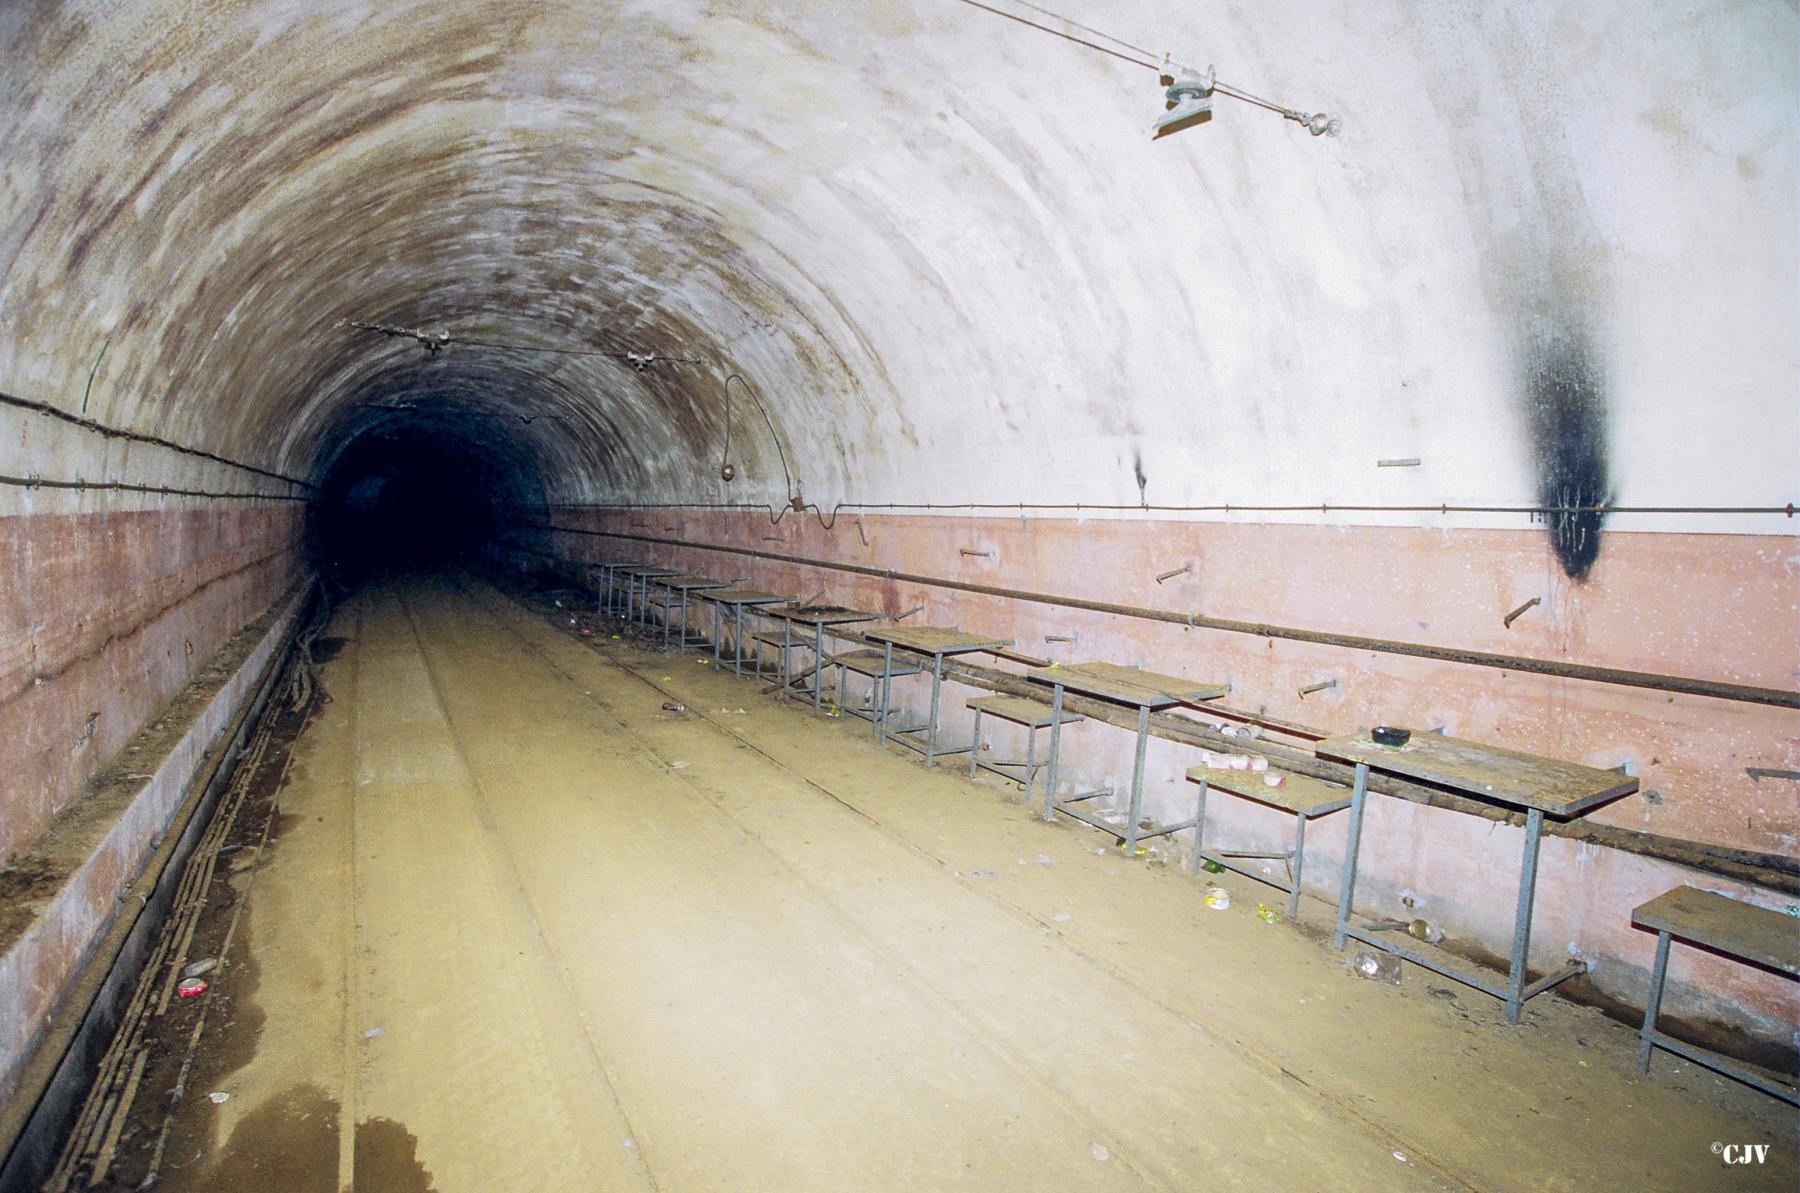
409	493
938	594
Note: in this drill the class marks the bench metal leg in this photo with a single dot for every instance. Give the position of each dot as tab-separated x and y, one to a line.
1031	764
937	684
718	630
1137	779
1515	976
737	640
1056	697
975	750
1653	1005
819	666
1299	864
887	692
1347	891
1199	826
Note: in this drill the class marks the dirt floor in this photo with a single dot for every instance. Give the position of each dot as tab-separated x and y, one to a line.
520	926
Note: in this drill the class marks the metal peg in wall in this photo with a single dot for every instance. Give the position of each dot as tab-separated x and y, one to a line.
908	613
1759	773
1183	570
1074	639
1321	686
1520	611
978	552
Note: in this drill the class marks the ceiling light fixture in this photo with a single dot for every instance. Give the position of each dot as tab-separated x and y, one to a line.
1190	102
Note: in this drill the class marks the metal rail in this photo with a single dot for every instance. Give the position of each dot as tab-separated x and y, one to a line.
1681	684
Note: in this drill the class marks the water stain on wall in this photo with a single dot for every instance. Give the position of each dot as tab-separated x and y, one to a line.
1565	407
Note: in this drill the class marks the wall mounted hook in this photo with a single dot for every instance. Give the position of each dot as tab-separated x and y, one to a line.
1520	611
1183	570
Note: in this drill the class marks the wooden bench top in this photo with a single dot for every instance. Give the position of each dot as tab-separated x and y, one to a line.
934	640
686	582
1301	794
817	615
794	638
742	596
1021	710
1509	776
1729	925
868	662
1128	685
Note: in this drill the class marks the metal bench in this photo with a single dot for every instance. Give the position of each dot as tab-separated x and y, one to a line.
1739	930
1304	796
867	663
1020	711
784	643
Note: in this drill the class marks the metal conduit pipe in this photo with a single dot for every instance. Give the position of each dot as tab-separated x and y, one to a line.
1681	684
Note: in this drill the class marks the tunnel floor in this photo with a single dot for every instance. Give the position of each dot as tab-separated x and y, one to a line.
526	928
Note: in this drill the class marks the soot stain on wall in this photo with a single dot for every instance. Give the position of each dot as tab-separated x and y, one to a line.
1565	402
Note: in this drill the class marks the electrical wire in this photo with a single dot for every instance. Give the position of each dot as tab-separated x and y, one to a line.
1059	33
39	482
438	341
1316	123
786	473
110	432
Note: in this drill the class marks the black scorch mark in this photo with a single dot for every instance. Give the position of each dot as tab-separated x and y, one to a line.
1137	470
1566	406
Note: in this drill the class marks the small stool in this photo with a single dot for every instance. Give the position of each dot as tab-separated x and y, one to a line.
1748	933
867	663
1303	795
1020	711
784	646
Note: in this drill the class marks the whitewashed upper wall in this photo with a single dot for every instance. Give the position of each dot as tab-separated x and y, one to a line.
941	246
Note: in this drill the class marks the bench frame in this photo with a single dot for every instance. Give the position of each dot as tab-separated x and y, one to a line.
1030	764
873	715
1651	1039
1293	860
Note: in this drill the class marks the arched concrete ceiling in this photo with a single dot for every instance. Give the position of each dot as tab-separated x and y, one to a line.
941	247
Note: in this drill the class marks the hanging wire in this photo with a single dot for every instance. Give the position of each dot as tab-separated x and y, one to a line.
435	342
1317	123
787	475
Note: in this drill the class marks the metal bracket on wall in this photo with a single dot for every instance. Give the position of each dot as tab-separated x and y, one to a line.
1183	570
1759	773
1321	686
1520	612
978	552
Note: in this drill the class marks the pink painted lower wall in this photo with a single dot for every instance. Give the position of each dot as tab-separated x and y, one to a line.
41	965
103	618
1719	607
